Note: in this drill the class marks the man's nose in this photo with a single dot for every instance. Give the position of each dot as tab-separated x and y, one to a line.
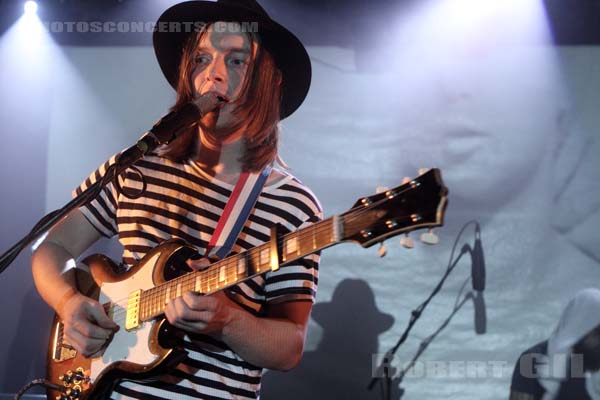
216	71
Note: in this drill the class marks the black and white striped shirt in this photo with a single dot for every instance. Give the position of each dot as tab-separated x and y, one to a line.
182	201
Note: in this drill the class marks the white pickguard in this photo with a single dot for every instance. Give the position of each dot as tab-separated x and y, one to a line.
126	346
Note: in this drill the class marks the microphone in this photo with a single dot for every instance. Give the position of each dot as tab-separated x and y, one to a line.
480	313
478	263
171	125
478	282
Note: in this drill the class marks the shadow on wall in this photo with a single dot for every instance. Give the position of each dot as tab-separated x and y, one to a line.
341	366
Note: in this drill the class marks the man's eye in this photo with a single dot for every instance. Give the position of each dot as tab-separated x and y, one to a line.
201	59
237	61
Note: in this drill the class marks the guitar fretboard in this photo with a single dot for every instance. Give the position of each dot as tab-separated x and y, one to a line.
239	267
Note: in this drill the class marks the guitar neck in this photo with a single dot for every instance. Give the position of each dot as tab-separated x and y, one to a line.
242	266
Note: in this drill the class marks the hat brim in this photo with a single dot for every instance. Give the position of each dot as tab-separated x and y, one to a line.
288	52
325	315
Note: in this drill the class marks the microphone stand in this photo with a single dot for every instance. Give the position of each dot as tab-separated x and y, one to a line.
416	314
126	159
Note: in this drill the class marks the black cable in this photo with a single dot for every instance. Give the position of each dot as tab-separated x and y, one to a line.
38	382
427	341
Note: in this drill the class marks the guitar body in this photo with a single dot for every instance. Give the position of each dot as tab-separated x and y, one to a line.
139	354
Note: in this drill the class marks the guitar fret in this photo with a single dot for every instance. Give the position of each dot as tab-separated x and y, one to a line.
264	256
241	266
205	282
232	272
155	293
197	283
151	302
143	307
222	275
158	300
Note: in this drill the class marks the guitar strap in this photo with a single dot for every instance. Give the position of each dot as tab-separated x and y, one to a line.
236	212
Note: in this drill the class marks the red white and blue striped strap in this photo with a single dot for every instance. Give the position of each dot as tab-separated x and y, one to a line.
236	212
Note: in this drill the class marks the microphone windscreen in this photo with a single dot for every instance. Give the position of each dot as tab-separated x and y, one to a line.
480	314
478	268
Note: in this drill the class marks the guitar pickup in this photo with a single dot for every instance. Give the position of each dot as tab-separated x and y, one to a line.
132	320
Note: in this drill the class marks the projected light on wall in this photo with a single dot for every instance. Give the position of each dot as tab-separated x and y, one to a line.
442	28
470	74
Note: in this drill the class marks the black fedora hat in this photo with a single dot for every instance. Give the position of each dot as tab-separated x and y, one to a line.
288	52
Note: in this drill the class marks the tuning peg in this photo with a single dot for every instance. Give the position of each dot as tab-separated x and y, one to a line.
381	189
423	171
429	237
407	242
406	179
382	251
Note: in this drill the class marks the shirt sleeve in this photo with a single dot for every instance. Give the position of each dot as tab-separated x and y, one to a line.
101	211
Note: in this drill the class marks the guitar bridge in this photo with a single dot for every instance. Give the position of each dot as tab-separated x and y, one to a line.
61	351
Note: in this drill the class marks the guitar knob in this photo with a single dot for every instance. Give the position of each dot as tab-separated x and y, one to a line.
406	179
77	377
74	393
67	378
407	242
381	189
430	237
423	171
382	251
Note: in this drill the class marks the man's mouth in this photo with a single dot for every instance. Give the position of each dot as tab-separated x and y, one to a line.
222	97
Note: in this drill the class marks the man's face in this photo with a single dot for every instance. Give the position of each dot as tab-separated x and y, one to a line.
222	60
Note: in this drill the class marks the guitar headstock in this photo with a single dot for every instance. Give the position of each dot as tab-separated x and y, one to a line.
419	203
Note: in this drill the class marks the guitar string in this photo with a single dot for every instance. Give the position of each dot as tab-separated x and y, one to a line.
190	278
213	278
156	301
157	298
212	275
254	253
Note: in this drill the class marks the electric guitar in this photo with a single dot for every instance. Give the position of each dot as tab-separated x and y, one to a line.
146	344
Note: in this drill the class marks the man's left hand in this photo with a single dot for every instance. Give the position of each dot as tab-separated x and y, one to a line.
196	313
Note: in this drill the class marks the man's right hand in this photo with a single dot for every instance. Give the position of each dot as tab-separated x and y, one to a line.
86	326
